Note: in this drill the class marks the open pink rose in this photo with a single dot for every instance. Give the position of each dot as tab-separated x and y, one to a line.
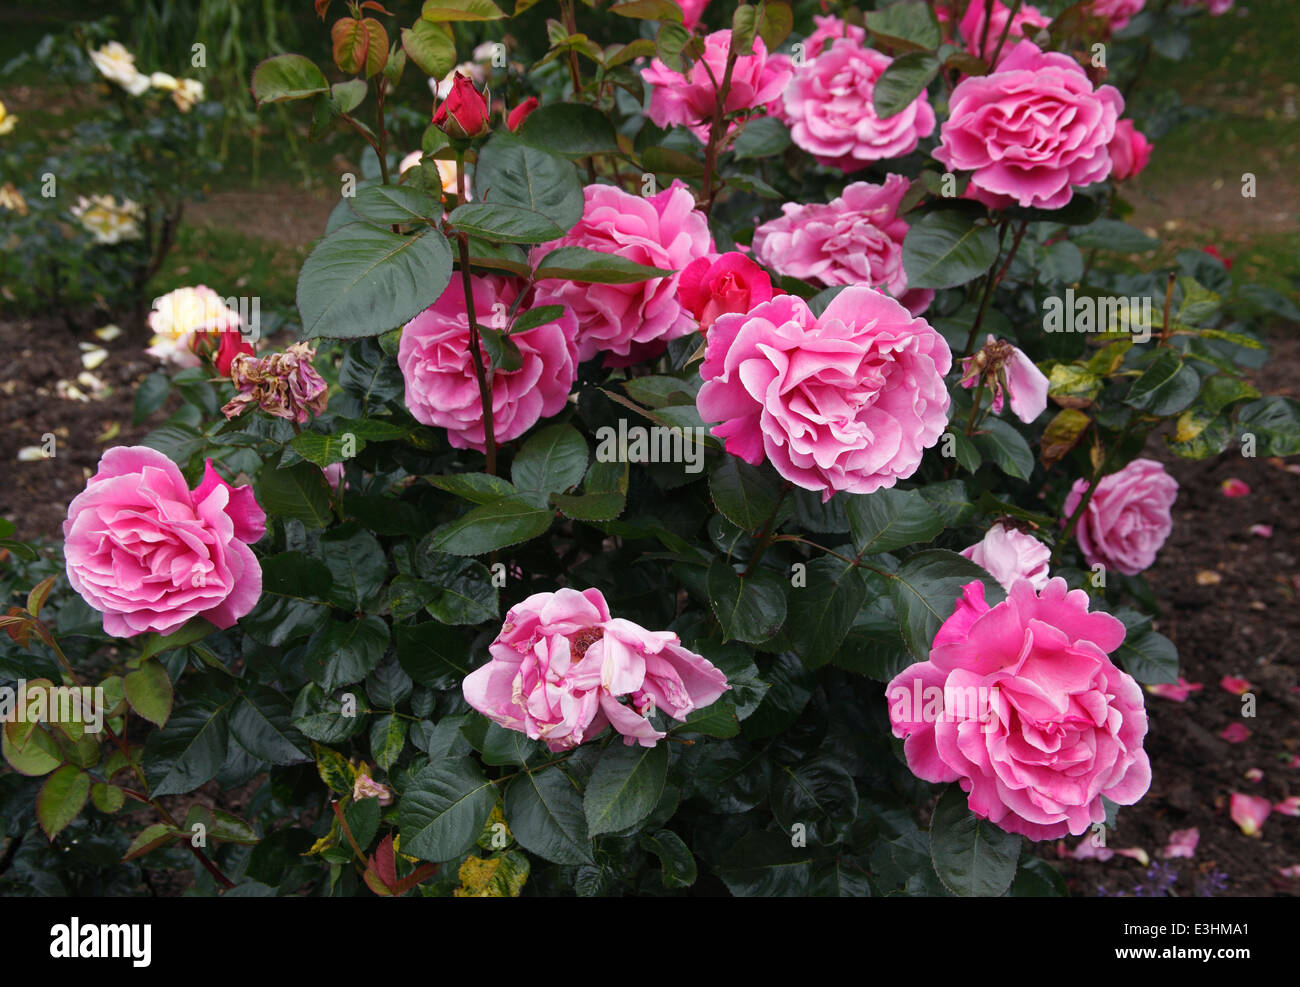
1129	151
855	239
561	666
1021	705
1118	12
731	282
828	106
692	11
1010	555
999	363
828	31
1128	517
848	401
1032	130
688	101
441	386
984	43
149	553
629	322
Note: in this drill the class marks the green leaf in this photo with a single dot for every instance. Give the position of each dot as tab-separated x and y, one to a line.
324	718
431	655
149	691
443	810
649	10
948	248
676	862
535	317
950	500
512	172
362	817
387	738
194	629
479	488
553	460
150	838
544	812
333	769
823	610
431	47
762	137
61	798
973	857
903	80
504	223
571	129
1166	387
461	10
287	77
38	756
261	722
750	609
107	798
604	493
625	787
492	526
891	519
764	864
345	651
925	590
463	589
1001	442
594	267
745	495
1114	235
1149	657
907	26
387	204
716	720
357	566
150	394
299	492
188	751
820	794
347	96
1274	422
362	280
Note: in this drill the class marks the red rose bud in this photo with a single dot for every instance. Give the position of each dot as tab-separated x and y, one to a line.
464	113
232	345
520	112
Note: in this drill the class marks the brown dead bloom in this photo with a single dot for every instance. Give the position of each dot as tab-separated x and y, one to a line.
285	385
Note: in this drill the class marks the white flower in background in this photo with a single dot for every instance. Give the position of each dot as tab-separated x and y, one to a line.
161	80
107	220
446	171
187	93
476	71
179	315
409	162
116	64
7	120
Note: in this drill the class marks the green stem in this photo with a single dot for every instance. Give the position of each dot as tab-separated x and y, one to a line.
475	347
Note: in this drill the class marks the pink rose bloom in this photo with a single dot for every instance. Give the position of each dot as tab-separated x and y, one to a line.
148	553
688	101
692	11
1031	130
561	664
710	287
1118	12
1128	517
848	401
828	106
1025	383
985	44
855	239
1010	555
1129	151
441	388
829	30
630	322
1020	704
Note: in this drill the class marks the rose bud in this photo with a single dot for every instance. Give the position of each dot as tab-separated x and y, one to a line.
520	112
232	345
464	113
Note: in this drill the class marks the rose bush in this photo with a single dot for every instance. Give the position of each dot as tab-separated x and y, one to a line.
578	544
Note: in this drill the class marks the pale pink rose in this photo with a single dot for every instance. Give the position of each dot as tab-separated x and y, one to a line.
848	401
1056	725
1026	385
441	385
1182	843
149	553
561	664
1032	130
1129	151
688	101
1178	691
828	31
1249	812
1010	555
1128	517
855	239
692	11
828	107
710	287
983	43
1118	12
629	322
334	477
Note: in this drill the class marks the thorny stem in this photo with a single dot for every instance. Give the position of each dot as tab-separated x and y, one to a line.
1006	29
383	132
475	349
716	130
1169	298
1097	474
821	548
571	25
765	538
993	280
975	405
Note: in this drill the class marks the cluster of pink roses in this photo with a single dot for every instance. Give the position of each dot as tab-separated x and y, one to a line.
562	669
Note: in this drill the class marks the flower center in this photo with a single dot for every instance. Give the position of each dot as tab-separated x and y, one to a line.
584	639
